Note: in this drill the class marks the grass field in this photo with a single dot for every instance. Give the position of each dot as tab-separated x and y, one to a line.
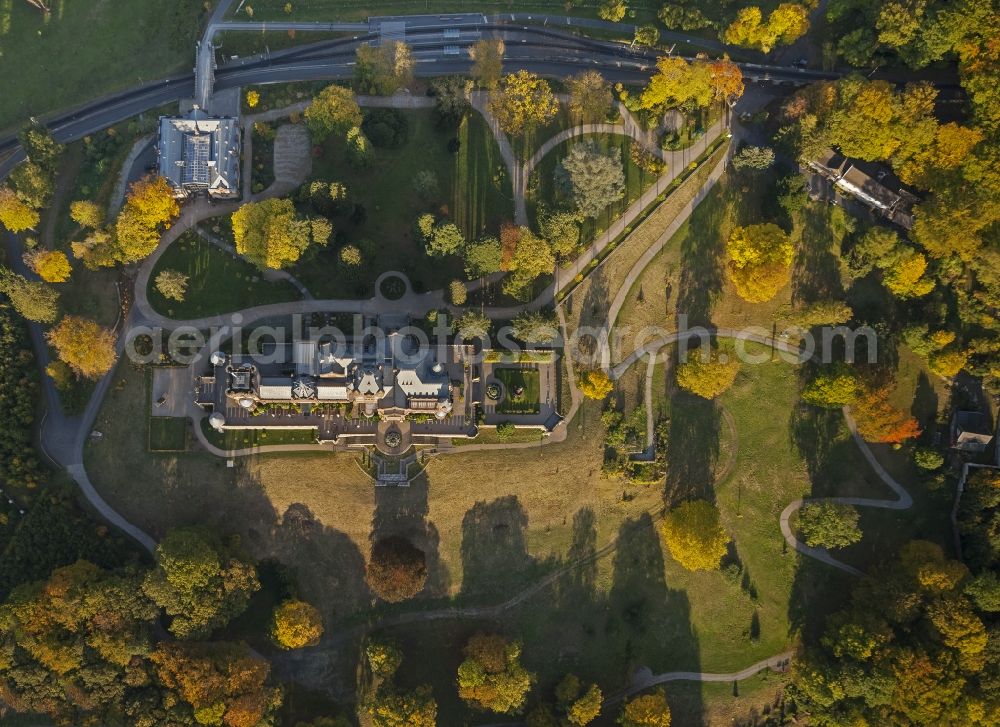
512	379
87	49
475	193
218	282
167	434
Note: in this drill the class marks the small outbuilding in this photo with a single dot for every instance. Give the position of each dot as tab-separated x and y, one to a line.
971	431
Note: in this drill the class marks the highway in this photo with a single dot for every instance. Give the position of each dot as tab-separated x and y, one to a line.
544	49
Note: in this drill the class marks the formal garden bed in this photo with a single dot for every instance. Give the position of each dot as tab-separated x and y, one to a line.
521	391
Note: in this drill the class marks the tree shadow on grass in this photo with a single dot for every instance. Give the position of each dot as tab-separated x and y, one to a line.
495	556
701	267
692	448
403	511
925	407
816	271
650	623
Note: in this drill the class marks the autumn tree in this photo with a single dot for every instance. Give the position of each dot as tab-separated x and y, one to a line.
760	259
384	69
879	421
34	184
613	10
172	284
15	215
269	233
487	61
399	708
902	267
707	379
296	624
52	266
397	569
197	584
592	179
457	292
531	257
678	82
787	23
585	708
491	677
84	346
224	683
827	524
595	384
725	79
35	301
589	97
333	110
694	535
149	207
522	101
649	710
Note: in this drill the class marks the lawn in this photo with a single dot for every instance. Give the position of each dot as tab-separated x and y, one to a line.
246	438
167	434
474	192
546	194
219	282
87	49
527	380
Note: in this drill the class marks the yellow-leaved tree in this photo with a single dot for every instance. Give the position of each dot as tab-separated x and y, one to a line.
296	624
16	215
760	259
269	233
492	677
522	101
676	82
707	378
84	346
52	266
595	384
149	206
649	710
695	536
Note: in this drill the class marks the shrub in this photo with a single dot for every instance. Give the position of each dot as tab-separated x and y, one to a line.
386	128
506	430
928	459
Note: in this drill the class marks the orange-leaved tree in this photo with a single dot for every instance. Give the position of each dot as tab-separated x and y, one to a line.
880	421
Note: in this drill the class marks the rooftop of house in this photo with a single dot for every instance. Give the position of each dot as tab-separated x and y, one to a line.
198	152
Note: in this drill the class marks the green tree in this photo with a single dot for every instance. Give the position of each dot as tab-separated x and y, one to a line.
359	148
829	524
760	259
457	292
296	624
451	100
647	35
33	184
482	257
383	658
833	387
590	97
487	62
562	230
197	584
269	233
536	326
694	535
447	239
522	101
592	179
492	677
35	301
472	324
754	158
395	708
85	346
172	284
707	379
333	110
